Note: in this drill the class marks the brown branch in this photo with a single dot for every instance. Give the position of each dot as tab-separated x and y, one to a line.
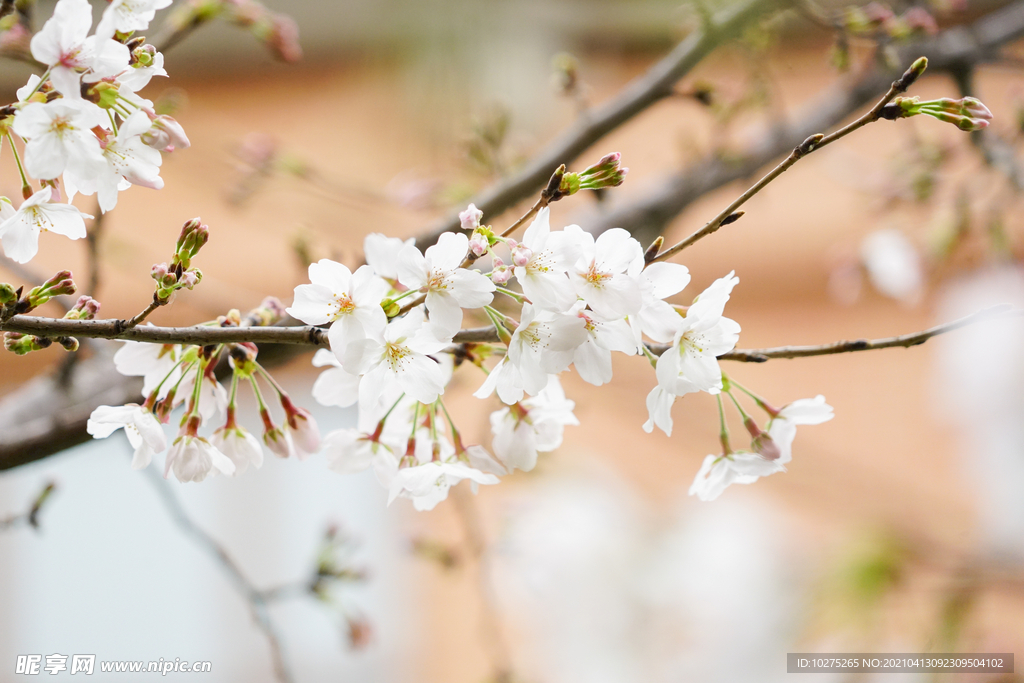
811	144
597	122
316	336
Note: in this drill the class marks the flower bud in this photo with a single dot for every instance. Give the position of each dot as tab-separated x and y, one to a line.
21	344
521	255
391	308
166	134
85	308
69	343
478	244
190	278
470	218
500	273
59	284
8	295
158	271
569	185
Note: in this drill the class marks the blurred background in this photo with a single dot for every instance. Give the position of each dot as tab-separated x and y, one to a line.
898	528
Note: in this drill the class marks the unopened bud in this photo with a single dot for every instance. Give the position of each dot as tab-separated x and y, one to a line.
158	271
21	344
69	343
605	173
912	74
500	273
85	308
8	295
521	255
470	218
166	134
478	243
190	278
59	284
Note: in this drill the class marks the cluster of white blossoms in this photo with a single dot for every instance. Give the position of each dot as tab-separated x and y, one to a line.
394	337
394	327
85	128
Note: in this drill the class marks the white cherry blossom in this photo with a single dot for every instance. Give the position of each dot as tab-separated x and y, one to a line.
64	45
544	277
240	447
805	411
59	136
593	358
532	426
140	426
599	275
193	458
399	357
20	231
128	161
544	343
719	471
690	364
449	288
428	484
349	301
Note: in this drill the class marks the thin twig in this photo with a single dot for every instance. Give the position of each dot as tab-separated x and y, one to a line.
141	316
903	340
255	599
811	144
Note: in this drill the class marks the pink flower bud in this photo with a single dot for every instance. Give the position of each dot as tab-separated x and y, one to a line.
279	442
166	134
470	218
501	275
477	244
522	255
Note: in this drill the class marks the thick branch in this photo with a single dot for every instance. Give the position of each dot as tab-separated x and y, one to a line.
646	90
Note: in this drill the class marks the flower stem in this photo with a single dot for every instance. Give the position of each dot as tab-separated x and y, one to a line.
723	430
26	189
509	293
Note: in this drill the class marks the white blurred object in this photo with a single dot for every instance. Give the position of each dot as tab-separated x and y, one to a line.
893	265
604	595
980	375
